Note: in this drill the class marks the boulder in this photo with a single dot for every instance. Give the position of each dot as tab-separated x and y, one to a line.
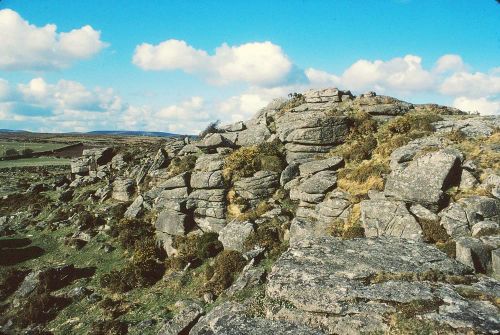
179	181
473	253
100	156
389	218
289	173
234	235
254	134
135	208
495	263
171	222
184	320
123	189
313	189
425	179
484	228
454	220
211	179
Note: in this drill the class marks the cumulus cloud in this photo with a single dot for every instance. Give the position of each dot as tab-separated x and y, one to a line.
449	63
401	74
475	85
482	105
257	63
28	47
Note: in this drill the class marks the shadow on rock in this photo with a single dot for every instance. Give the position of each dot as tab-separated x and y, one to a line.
15	256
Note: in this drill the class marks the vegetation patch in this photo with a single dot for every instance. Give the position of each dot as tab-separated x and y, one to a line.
194	249
226	268
245	161
180	165
269	235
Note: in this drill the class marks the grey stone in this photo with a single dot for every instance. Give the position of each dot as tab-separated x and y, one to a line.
99	156
425	179
135	208
470	127
314	188
495	263
209	163
479	208
467	180
184	320
402	155
260	186
313	167
171	222
389	218
483	228
254	134
160	161
249	277
289	173
473	253
234	235
123	189
216	140
422	213
238	126
166	242
210	224
202	197
179	181
211	179
454	220
230	318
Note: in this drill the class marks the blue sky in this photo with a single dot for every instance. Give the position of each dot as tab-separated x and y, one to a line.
177	65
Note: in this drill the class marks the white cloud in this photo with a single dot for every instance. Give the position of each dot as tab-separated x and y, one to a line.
482	105
468	84
449	62
257	63
401	74
28	47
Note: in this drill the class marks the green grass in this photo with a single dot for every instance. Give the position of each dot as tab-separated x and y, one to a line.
40	161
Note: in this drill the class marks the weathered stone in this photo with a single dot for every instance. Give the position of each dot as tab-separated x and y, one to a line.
254	134
467	180
483	228
313	167
216	140
99	156
473	253
402	155
177	196
209	163
327	280
202	198
80	165
123	189
210	224
249	277
495	263
160	161
479	208
258	187
389	218
230	318
166	242
184	320
470	127
211	179
454	221
234	235
238	126
423	213
289	173
171	222
314	188
179	181
135	208
425	179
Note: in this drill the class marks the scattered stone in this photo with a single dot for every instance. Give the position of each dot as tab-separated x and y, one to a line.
123	189
234	235
473	253
484	228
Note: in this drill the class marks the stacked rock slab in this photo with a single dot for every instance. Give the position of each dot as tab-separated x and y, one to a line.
91	161
258	187
172	219
312	129
207	200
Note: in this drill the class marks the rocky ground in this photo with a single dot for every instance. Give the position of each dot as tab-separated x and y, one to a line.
326	213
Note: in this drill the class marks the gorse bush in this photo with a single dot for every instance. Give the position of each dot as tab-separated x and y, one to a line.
245	161
194	249
226	267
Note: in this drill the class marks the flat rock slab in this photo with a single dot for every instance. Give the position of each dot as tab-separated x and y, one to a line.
328	283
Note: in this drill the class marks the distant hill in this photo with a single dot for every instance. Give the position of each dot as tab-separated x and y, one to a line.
109	132
132	133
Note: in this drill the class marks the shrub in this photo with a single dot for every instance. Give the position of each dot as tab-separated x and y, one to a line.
10	279
211	128
109	327
295	100
245	161
40	308
358	179
433	231
131	231
226	267
180	165
136	274
269	235
27	152
11	152
194	249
